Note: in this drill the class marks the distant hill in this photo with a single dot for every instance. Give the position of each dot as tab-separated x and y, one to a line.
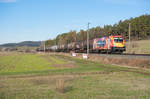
25	43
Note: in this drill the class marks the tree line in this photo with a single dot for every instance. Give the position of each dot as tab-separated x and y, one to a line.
140	29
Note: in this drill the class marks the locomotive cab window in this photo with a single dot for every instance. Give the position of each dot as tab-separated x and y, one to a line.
118	40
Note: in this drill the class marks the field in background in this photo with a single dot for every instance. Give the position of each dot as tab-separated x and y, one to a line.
139	47
53	76
15	63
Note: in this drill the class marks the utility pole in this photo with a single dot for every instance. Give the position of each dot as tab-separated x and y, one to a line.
88	39
44	46
129	33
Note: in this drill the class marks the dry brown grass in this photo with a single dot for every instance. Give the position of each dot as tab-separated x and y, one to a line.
7	53
126	61
121	61
137	62
138	47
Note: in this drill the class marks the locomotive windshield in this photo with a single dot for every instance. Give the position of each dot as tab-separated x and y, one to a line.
118	40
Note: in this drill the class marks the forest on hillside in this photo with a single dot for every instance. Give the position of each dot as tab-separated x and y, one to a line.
140	29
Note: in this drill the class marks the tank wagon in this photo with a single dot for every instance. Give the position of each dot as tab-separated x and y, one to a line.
111	44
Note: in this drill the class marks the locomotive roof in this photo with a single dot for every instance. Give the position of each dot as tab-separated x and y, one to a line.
116	36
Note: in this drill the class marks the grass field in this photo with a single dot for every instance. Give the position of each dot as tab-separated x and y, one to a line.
139	47
36	76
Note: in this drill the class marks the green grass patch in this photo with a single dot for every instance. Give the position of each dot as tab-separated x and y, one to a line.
34	64
23	63
56	60
103	86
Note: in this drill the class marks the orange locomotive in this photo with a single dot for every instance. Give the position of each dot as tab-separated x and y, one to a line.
109	44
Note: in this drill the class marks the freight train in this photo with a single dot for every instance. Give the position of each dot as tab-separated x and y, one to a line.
111	44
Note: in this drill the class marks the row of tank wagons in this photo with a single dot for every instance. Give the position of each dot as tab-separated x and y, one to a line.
75	46
104	44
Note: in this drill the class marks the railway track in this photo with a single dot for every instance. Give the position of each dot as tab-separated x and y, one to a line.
125	55
137	54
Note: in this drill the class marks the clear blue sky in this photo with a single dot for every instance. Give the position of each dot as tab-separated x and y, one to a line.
22	20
